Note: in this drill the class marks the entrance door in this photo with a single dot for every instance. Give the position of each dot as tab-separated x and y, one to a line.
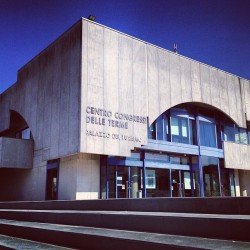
210	176
181	183
125	182
52	180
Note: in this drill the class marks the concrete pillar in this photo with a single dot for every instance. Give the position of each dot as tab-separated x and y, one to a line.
237	182
79	177
244	177
134	182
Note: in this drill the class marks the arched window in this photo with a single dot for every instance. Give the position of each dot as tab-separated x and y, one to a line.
18	127
196	124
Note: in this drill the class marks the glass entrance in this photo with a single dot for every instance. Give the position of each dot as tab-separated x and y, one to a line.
210	176
157	182
181	183
125	182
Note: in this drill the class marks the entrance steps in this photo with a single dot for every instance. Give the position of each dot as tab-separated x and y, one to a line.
128	224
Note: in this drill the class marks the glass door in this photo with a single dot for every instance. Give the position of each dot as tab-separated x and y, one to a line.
157	182
181	183
125	182
210	176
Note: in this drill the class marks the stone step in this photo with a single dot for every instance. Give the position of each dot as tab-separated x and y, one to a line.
212	205
230	227
9	242
79	237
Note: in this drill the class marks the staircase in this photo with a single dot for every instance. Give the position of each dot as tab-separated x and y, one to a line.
157	223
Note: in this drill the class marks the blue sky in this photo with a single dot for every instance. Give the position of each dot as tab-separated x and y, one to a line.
215	32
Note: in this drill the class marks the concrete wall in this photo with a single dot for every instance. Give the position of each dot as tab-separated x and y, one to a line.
245	89
92	91
16	153
173	79
236	156
123	74
244	177
79	177
47	96
113	79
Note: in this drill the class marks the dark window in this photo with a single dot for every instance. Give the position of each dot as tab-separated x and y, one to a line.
152	131
207	134
235	134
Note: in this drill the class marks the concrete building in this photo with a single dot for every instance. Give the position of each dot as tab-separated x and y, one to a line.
100	114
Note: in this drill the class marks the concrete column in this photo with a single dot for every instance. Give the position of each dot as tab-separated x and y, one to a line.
237	184
244	176
134	181
79	177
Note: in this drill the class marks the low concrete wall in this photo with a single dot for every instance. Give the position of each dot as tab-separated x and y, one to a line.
236	155
16	153
225	205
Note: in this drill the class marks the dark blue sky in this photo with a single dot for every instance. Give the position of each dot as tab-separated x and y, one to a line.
215	32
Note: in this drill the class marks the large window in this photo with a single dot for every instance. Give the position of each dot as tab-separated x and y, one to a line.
210	176
207	132
235	134
157	182
182	123
180	129
182	126
152	131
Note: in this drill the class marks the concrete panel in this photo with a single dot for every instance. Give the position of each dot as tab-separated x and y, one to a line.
175	79
232	98
164	80
205	84
88	177
153	88
33	105
236	156
186	89
74	98
79	177
239	104
222	87
140	90
114	78
24	184
67	178
172	147
4	114
17	96
16	153
111	83
55	124
63	112
126	91
95	82
244	177
246	97
47	113
40	114
84	87
215	94
195	81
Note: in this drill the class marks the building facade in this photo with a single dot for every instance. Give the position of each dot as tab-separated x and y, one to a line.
99	114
